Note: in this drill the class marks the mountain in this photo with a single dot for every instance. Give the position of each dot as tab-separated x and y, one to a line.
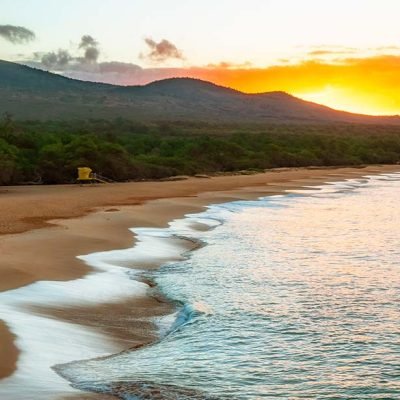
28	93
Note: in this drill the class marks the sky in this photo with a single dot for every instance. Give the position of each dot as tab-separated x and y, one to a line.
342	53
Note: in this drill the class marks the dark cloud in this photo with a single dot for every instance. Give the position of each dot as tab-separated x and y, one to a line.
91	49
55	60
91	55
63	60
162	51
16	34
114	72
88	41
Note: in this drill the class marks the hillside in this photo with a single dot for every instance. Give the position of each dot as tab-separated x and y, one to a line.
28	93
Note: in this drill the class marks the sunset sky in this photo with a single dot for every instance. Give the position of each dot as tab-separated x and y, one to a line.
345	54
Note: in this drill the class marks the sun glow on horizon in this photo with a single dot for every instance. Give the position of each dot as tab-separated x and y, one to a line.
344	100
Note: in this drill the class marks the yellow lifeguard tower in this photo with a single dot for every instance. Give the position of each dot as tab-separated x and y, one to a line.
86	175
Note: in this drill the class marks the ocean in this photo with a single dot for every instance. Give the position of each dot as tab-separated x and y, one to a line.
292	296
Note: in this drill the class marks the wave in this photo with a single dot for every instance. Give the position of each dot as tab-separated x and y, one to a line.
187	314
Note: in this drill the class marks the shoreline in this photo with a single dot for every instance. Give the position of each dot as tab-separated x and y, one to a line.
39	256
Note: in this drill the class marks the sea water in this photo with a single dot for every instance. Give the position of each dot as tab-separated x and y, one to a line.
293	296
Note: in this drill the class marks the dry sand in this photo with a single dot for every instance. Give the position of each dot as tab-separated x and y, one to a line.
78	220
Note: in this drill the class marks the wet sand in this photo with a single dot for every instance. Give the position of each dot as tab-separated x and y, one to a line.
78	220
8	352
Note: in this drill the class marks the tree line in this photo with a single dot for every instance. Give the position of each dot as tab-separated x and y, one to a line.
50	152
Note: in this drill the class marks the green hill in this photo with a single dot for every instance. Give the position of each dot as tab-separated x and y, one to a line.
28	93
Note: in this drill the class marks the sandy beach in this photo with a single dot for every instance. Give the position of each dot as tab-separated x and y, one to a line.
44	228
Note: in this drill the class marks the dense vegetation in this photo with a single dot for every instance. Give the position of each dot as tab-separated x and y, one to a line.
50	152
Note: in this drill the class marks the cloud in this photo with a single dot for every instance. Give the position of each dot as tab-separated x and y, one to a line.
230	65
54	60
328	52
338	53
117	73
87	41
91	49
161	51
83	63
16	34
63	60
332	52
91	55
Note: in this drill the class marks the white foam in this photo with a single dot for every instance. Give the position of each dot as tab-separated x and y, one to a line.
153	246
44	341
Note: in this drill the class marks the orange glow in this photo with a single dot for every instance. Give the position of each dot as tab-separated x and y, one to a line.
363	85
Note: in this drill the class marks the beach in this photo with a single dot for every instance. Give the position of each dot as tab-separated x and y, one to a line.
44	228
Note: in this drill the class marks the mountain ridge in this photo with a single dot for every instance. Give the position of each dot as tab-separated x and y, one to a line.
29	93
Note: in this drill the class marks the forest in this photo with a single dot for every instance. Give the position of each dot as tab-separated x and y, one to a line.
49	152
